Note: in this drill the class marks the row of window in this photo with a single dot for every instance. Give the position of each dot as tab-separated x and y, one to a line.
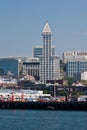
28	66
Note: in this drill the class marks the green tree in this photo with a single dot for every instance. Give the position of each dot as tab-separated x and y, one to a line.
81	93
45	91
69	81
62	93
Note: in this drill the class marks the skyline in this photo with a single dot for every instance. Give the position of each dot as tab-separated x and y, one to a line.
22	22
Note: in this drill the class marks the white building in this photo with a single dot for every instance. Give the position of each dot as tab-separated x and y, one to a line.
21	95
84	75
31	67
56	67
47	60
74	55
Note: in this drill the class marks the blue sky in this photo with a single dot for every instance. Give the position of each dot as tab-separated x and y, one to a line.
22	21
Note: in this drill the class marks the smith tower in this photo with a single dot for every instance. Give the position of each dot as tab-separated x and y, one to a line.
49	63
46	60
46	34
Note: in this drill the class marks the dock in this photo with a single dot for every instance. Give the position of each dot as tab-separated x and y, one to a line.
73	106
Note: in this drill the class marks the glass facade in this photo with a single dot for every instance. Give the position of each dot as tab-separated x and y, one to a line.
38	50
9	66
75	68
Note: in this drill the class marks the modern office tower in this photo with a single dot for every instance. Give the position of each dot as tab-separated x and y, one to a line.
74	55
38	50
10	66
47	61
31	67
75	67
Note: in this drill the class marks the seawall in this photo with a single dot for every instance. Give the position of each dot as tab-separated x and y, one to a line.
76	106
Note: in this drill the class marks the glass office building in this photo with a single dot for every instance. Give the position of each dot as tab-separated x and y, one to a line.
9	66
75	67
38	51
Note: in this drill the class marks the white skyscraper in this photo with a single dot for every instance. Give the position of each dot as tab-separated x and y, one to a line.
47	60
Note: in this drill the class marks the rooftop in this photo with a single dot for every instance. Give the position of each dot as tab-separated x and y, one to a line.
47	29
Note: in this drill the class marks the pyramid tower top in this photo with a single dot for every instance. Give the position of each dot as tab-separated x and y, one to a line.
47	29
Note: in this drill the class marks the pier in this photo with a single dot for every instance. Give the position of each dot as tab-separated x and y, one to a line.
74	106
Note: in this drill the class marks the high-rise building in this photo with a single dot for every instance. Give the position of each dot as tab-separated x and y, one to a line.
47	60
38	50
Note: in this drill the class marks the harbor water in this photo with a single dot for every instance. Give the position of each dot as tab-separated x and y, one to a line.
42	120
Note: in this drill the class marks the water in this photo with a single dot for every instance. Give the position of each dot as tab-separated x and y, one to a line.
42	120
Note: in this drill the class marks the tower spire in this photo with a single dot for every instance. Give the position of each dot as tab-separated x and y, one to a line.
47	29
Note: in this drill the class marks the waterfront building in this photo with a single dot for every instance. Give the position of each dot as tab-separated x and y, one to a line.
31	67
10	66
74	55
21	95
47	60
8	82
38	50
75	67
